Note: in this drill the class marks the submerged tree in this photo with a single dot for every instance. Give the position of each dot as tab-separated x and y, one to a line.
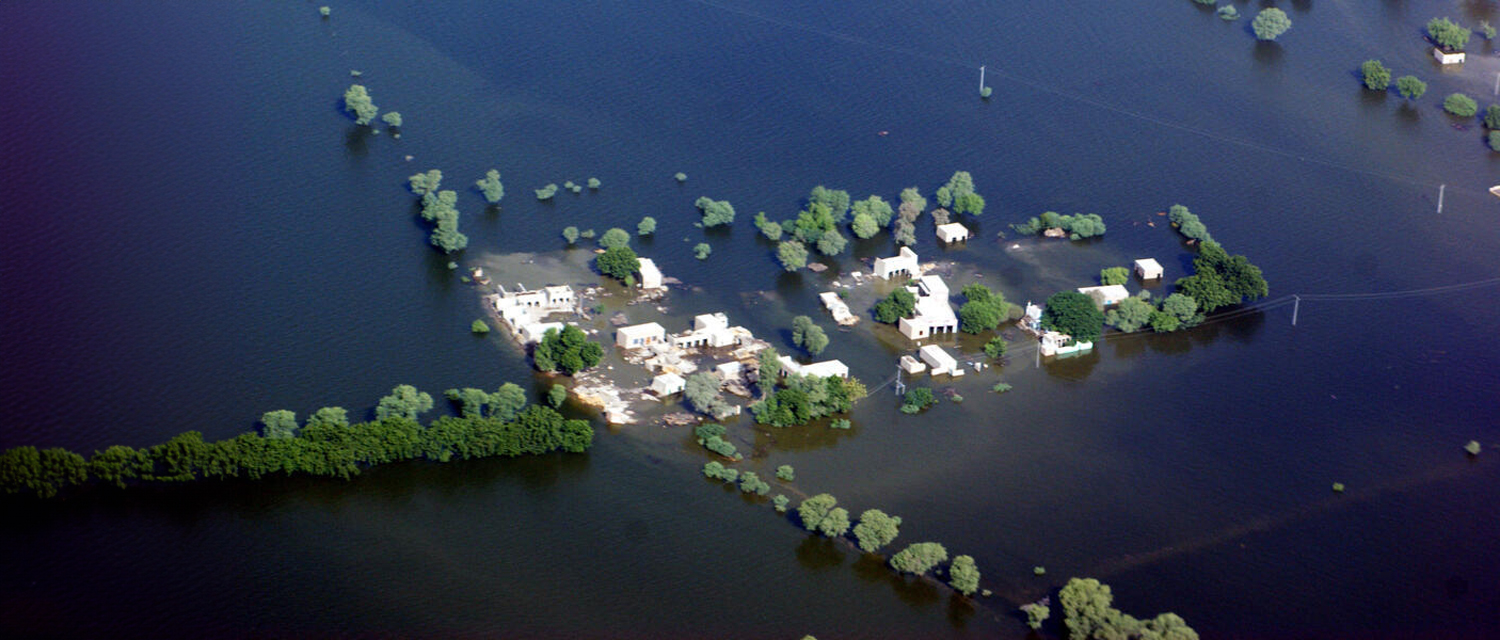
792	254
392	118
279	424
1410	87
963	575
808	335
618	262
1460	105
1377	77
646	227
876	529
715	212
614	237
357	101
701	250
1074	314
423	184
1270	23
1448	34
404	402
491	187
919	558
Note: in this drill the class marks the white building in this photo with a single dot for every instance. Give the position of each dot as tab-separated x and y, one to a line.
535	331
952	232
667	384
1107	295
1149	269
940	361
836	306
639	336
905	262
1445	57
650	275
730	371
824	369
934	314
709	330
1056	344
911	365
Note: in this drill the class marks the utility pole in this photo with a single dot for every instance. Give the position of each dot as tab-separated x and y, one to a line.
981	80
1497	83
1441	188
900	386
1296	304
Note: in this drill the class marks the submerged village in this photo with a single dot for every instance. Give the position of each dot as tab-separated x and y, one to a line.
722	361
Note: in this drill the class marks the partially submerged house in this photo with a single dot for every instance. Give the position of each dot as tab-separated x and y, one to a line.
1107	295
933	312
838	308
953	232
1148	269
650	275
1053	343
1448	57
940	361
904	263
824	369
667	384
522	311
640	336
911	365
710	330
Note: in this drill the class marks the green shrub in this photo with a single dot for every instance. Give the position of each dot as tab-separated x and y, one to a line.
594	183
1377	77
1228	13
786	472
1270	23
1000	387
681	177
1460	105
780	502
1410	87
1473	447
1114	275
840	423
479	327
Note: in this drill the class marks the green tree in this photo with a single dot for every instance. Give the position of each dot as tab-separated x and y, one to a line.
470	401
702	250
479	327
702	393
1494	140
834	200
1130	315
792	254
615	237
808	335
813	510
329	417
1460	105
357	101
961	183
1088	612
1228	14
786	472
876	529
594	184
423	184
835	524
618	262
507	402
864	226
1036	614
646	227
1487	29
1492	116
1221	280
570	234
568	351
1410	87
392	118
995	348
1448	34
780	502
1270	23
546	193
1074	314
832	243
1377	77
404	402
1114	275
768	370
557	395
1181	306
917	399
715	212
771	230
279	424
876	208
918	558
983	311
898	304
963	575
680	177
324	11
491	187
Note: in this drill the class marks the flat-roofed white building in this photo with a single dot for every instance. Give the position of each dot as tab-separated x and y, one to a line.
824	369
730	371
1054	343
953	232
650	275
933	313
1107	295
911	365
667	384
640	336
1148	269
903	263
1447	57
940	361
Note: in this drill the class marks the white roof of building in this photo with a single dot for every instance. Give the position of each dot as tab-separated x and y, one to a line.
826	369
952	230
935	354
640	330
667	383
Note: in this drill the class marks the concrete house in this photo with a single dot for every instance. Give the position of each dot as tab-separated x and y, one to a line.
1444	57
953	232
667	384
640	336
1148	269
650	275
824	369
934	314
709	330
940	361
904	263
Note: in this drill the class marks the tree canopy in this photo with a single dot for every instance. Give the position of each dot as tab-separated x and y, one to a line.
1410	87
1075	314
568	351
1460	105
1130	315
1448	34
983	311
1188	224
792	254
646	227
279	424
813	510
702	394
804	398
963	575
490	186
618	262
614	237
1089	613
1221	280
808	335
405	402
715	212
1270	23
876	529
919	558
357	101
898	304
425	183
878	210
1376	76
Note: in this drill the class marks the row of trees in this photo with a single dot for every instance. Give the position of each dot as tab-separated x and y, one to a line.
876	529
1176	311
1378	78
1188	224
326	446
1078	227
1089	614
817	227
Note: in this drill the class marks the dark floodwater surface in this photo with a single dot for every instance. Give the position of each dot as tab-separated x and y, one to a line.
196	234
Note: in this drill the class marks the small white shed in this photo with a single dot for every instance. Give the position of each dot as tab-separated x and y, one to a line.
1148	269
952	232
667	384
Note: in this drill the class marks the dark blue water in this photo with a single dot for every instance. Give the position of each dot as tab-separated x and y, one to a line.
196	234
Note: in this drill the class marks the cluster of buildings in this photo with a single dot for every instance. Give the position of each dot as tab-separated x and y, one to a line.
524	312
1054	343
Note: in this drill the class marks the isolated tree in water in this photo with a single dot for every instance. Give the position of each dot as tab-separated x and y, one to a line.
357	101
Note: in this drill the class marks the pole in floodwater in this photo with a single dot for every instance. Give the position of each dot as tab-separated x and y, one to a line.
1497	83
981	79
1441	188
1296	304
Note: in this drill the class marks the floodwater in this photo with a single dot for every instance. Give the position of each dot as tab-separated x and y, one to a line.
196	234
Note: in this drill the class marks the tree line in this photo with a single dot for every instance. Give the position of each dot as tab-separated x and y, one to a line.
327	446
